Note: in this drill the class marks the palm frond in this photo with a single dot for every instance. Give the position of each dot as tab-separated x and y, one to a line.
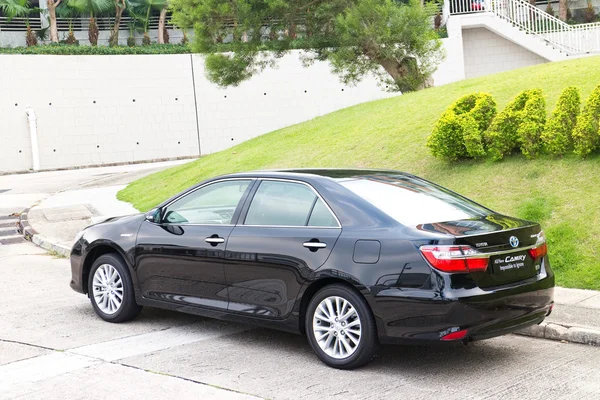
15	8
67	9
92	7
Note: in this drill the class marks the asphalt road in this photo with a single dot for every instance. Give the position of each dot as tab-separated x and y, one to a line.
52	346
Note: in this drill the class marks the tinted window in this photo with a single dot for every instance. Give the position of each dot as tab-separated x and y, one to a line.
321	216
413	201
213	204
284	204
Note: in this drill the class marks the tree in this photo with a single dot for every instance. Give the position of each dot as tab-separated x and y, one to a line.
93	8
392	40
120	6
163	36
563	7
52	4
67	11
20	8
141	10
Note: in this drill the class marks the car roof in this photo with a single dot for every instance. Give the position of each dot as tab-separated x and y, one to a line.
327	173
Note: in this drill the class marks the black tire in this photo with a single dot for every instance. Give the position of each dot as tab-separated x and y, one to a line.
368	344
128	309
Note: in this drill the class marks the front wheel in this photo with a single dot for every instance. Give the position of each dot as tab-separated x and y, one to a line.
340	328
111	290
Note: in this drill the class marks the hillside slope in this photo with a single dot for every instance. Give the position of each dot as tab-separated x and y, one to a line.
563	194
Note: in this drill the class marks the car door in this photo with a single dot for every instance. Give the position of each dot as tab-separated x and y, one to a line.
180	258
286	232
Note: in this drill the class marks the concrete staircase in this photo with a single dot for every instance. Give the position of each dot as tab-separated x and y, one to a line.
526	25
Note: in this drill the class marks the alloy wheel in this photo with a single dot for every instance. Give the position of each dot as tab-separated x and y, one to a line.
108	289
337	327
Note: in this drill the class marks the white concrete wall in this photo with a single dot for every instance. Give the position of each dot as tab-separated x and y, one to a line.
87	114
487	53
86	110
272	100
452	68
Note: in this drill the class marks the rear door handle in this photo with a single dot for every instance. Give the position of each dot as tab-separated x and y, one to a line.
214	240
314	245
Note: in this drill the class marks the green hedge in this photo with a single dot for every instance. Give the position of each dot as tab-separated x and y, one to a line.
66	49
458	134
533	120
558	132
586	132
518	126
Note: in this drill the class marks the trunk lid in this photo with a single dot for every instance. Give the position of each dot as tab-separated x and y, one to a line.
505	239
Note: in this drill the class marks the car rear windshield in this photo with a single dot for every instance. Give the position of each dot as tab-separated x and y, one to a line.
413	201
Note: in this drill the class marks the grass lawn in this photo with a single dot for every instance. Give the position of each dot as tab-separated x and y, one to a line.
562	194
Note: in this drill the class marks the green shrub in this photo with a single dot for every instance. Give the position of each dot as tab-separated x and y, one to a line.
585	134
65	49
459	131
483	111
501	137
532	124
446	141
557	137
472	137
519	125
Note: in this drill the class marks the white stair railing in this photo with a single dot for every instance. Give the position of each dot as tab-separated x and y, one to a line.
571	39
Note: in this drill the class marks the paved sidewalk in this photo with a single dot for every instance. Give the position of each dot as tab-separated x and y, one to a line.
56	220
62	203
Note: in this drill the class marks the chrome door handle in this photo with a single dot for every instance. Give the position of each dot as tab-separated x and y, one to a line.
214	240
314	245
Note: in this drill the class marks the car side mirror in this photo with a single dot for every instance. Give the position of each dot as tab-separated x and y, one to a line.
153	216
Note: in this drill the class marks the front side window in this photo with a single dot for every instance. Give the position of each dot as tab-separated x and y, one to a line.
213	204
279	203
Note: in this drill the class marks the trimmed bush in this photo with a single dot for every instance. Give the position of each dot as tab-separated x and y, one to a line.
447	141
458	134
585	134
65	49
532	125
557	137
519	125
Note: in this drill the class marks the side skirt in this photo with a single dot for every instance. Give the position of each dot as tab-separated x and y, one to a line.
290	324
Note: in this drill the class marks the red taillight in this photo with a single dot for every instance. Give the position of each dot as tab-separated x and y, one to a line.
458	335
540	249
462	259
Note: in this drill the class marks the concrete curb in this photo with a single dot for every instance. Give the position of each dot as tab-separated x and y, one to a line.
31	235
571	334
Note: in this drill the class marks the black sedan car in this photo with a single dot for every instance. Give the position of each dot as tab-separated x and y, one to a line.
349	258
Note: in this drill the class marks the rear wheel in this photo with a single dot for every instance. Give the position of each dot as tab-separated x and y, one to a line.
340	328
111	291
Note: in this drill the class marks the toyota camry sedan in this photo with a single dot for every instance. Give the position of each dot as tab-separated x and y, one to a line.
349	258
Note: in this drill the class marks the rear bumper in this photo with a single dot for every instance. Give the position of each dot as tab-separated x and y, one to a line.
484	315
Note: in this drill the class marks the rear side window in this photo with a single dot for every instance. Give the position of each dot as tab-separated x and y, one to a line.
278	203
321	216
413	201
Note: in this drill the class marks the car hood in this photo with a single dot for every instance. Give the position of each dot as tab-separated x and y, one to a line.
114	221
